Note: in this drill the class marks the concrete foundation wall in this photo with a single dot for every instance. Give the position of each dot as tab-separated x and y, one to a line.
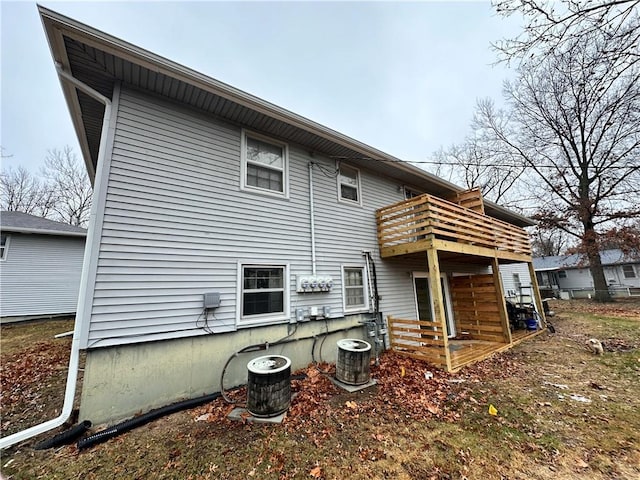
122	381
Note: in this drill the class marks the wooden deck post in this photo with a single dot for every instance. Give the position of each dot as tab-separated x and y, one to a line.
502	307
436	298
536	292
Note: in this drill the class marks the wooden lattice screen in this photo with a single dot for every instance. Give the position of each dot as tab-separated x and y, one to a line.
476	309
419	339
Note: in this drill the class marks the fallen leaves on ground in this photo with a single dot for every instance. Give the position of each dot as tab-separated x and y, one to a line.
25	375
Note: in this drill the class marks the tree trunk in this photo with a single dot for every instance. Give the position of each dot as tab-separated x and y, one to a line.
595	266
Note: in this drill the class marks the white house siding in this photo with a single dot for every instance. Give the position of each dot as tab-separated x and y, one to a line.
40	275
508	272
576	278
176	224
615	276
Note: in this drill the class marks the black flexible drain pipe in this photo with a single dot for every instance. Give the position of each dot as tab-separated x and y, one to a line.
63	438
132	423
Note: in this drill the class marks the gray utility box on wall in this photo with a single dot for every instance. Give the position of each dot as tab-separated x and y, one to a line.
212	300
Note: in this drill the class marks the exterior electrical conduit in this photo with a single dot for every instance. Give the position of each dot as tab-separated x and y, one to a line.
74	359
312	221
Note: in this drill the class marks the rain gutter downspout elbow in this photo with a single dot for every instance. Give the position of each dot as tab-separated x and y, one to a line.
74	359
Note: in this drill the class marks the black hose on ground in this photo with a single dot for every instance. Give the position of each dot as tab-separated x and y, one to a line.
64	438
132	423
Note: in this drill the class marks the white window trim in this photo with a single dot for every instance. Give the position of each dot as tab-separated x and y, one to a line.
624	274
267	318
243	165
365	285
339	189
6	248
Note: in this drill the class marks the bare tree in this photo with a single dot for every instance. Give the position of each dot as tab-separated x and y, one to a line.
62	194
70	185
549	25
548	243
574	120
20	191
482	162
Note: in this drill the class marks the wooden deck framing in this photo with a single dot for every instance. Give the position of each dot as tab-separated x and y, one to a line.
433	225
426	221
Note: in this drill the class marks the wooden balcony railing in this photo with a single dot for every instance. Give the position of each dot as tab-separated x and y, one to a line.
413	221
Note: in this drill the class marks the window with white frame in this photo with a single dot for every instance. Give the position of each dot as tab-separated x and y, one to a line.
263	293
562	274
354	289
349	184
628	271
4	246
516	281
264	164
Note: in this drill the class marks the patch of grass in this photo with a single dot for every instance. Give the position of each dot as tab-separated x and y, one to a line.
15	336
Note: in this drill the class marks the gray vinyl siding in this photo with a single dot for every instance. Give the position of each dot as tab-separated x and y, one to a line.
177	224
40	275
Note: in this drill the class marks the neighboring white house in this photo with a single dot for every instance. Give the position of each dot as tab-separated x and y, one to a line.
570	274
40	266
221	221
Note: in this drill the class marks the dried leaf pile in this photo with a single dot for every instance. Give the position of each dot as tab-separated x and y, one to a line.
405	387
25	377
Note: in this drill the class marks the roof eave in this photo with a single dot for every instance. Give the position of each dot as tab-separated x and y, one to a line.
41	231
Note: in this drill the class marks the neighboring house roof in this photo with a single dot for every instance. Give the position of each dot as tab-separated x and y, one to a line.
563	262
101	60
24	223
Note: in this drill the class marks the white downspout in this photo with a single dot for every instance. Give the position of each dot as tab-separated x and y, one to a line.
74	360
312	221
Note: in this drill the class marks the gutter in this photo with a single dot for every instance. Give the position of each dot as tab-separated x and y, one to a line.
44	232
74	359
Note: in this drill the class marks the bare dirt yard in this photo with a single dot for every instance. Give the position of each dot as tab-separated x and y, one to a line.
562	413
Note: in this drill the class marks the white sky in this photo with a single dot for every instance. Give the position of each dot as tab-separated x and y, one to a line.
402	77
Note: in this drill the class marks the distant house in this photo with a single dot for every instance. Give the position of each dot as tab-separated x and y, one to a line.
570	274
222	221
40	266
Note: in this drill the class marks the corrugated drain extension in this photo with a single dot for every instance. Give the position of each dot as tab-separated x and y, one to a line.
132	423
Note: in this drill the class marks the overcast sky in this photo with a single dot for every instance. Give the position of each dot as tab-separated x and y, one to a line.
402	77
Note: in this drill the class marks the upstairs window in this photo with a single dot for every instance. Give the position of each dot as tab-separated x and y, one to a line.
562	274
628	271
264	164
349	185
4	246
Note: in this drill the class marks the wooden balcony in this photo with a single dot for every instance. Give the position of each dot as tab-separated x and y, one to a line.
428	222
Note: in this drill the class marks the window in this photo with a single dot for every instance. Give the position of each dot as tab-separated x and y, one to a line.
354	291
264	164
628	271
263	293
4	246
516	281
562	274
349	184
409	193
